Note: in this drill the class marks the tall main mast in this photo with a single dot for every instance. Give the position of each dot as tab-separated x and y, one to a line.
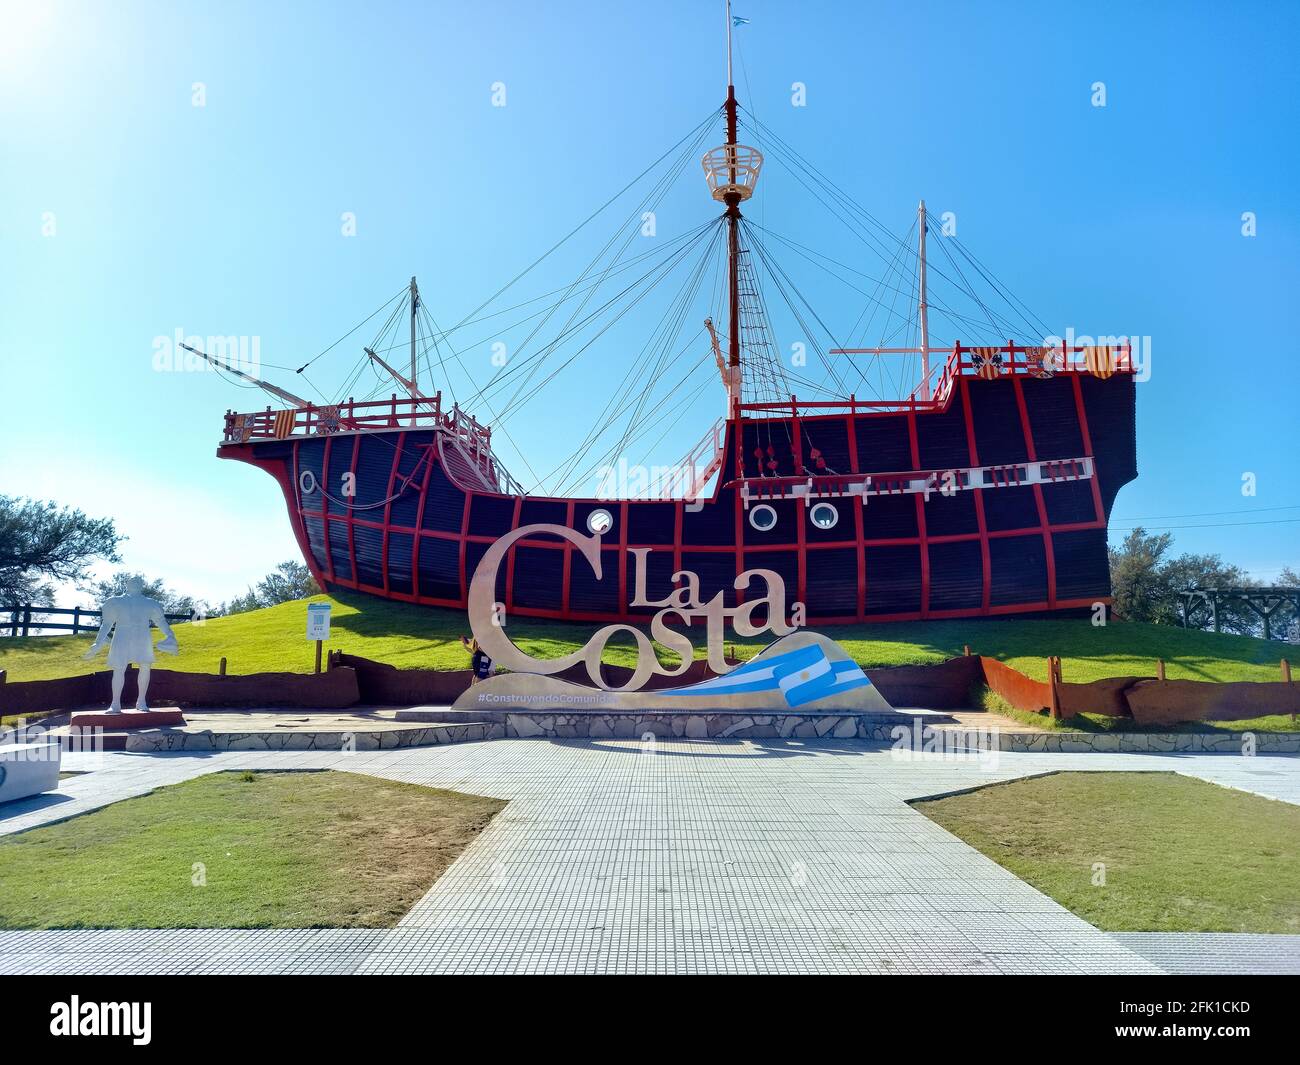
415	308
731	172
732	200
415	381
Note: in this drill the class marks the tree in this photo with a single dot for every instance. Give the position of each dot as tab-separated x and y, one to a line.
241	604
1146	585
290	580
1210	571
1138	587
41	542
154	588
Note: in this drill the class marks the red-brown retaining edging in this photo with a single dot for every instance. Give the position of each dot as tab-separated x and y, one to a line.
332	690
385	685
380	684
1095	697
1106	696
353	680
1013	686
327	691
945	686
38	696
1147	700
1166	702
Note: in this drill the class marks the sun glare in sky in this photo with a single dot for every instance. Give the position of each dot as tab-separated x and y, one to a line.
26	29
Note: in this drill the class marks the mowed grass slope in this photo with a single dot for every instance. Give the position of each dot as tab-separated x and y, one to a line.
242	850
1140	852
425	637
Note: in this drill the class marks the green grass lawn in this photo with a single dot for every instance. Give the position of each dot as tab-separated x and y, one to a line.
14	720
272	850
410	636
1267	723
1180	855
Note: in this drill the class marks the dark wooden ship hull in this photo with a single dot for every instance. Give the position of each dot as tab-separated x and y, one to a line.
1038	462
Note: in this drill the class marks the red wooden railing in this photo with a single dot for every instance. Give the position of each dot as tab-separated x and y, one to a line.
1016	361
400	411
472	438
704	460
353	416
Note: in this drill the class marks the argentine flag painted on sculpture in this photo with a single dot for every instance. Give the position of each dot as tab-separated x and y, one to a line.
802	676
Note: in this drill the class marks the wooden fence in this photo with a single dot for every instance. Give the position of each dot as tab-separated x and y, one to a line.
23	619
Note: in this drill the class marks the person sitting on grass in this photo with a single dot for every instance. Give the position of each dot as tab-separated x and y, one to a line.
478	659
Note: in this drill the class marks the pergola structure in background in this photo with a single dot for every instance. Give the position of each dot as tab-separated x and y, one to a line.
1202	604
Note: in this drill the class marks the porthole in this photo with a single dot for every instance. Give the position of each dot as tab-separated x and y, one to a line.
824	515
599	522
762	517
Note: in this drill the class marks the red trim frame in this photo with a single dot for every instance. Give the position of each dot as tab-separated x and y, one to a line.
855	466
427	459
980	522
467	499
622	550
388	506
510	559
352	524
567	566
1039	502
921	537
1082	411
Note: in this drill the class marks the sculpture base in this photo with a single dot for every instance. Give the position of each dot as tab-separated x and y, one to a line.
161	717
804	672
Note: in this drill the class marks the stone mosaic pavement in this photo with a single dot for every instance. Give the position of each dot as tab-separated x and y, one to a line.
1211	953
745	856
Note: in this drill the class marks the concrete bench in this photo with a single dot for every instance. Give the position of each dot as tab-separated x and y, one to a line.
29	769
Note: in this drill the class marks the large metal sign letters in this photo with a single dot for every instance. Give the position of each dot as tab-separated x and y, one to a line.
682	605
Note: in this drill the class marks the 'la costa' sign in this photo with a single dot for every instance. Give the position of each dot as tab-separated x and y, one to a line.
683	605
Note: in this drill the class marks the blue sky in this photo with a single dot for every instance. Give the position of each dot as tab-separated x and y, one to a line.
127	213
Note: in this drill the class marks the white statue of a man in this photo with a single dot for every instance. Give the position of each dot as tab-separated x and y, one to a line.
128	618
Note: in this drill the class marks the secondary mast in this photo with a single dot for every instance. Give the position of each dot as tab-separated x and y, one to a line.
415	306
414	380
923	316
265	386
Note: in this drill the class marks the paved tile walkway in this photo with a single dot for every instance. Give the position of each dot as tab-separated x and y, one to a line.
1197	953
749	856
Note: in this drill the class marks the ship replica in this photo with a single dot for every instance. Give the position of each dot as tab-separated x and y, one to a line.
984	491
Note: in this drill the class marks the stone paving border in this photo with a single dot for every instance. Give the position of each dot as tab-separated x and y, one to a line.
159	741
433	726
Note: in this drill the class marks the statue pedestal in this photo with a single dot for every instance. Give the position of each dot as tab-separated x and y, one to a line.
128	719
